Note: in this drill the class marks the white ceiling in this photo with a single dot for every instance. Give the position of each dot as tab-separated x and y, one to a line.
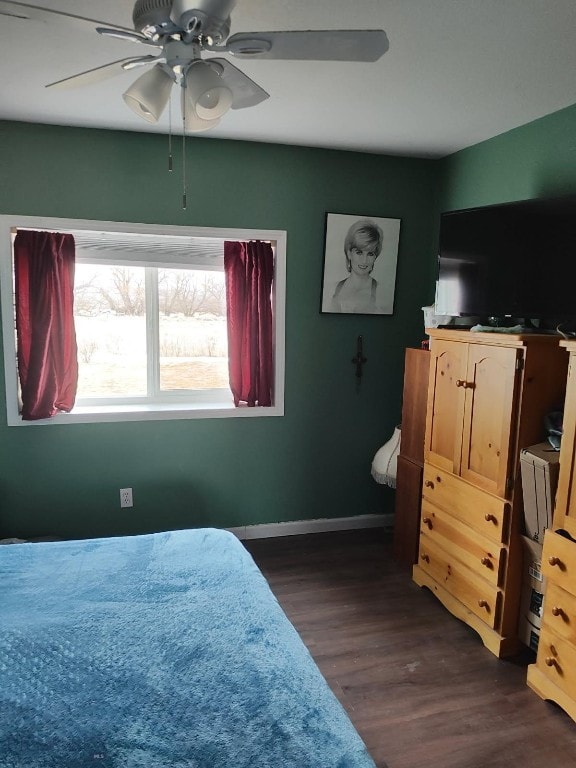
457	72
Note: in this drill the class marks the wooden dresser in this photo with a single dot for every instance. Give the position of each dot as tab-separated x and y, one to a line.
554	674
410	464
488	394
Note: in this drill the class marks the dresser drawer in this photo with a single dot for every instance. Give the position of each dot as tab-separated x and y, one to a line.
480	597
480	510
560	612
484	557
557	661
559	561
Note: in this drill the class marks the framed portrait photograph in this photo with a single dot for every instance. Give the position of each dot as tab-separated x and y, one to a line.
360	255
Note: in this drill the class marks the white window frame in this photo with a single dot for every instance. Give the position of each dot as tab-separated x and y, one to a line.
176	409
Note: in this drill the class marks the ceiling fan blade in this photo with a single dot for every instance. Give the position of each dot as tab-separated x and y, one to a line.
321	45
246	93
25	11
122	34
104	72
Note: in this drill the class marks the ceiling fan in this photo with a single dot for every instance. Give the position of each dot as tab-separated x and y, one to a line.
182	31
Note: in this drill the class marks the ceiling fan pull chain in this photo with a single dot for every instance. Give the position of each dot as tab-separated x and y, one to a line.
184	159
170	166
184	172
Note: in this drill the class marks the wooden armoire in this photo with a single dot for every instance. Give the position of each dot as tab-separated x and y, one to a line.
488	394
554	674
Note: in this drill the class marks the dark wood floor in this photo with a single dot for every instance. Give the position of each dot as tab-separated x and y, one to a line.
419	686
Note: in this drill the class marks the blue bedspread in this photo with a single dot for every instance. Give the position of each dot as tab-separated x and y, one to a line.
156	651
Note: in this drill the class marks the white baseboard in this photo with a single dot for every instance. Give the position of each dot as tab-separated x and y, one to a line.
299	527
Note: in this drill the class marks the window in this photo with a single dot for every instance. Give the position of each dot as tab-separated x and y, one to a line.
148	333
150	318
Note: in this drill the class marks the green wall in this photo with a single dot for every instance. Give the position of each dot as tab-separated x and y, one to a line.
312	463
536	160
315	461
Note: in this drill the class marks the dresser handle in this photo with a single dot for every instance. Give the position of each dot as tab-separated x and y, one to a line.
425	557
549	661
554	560
429	484
428	522
557	611
464	384
490	518
483	604
487	562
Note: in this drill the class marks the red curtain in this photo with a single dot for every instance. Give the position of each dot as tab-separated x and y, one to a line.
47	354
249	271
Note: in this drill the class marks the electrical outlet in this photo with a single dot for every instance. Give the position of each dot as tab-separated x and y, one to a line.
126	497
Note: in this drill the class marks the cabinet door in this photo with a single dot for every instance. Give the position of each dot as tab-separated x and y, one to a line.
407	511
416	370
444	416
489	416
566	494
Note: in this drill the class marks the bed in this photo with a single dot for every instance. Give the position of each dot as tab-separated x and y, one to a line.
159	650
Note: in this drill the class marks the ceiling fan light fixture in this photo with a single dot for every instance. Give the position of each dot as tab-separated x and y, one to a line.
149	94
209	96
194	123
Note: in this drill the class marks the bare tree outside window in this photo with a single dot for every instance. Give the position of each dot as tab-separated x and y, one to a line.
190	293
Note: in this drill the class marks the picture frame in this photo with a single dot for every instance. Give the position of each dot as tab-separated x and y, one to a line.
360	258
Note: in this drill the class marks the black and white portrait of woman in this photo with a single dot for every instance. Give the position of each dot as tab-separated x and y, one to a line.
360	264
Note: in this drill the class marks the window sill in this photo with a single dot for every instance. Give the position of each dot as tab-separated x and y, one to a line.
157	412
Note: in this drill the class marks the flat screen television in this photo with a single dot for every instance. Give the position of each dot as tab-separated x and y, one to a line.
513	261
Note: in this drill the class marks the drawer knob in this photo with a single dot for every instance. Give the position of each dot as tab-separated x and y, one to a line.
428	522
556	611
487	562
554	560
490	518
464	384
425	557
429	484
550	661
483	604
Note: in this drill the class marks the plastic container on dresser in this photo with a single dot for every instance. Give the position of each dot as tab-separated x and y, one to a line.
554	674
488	395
